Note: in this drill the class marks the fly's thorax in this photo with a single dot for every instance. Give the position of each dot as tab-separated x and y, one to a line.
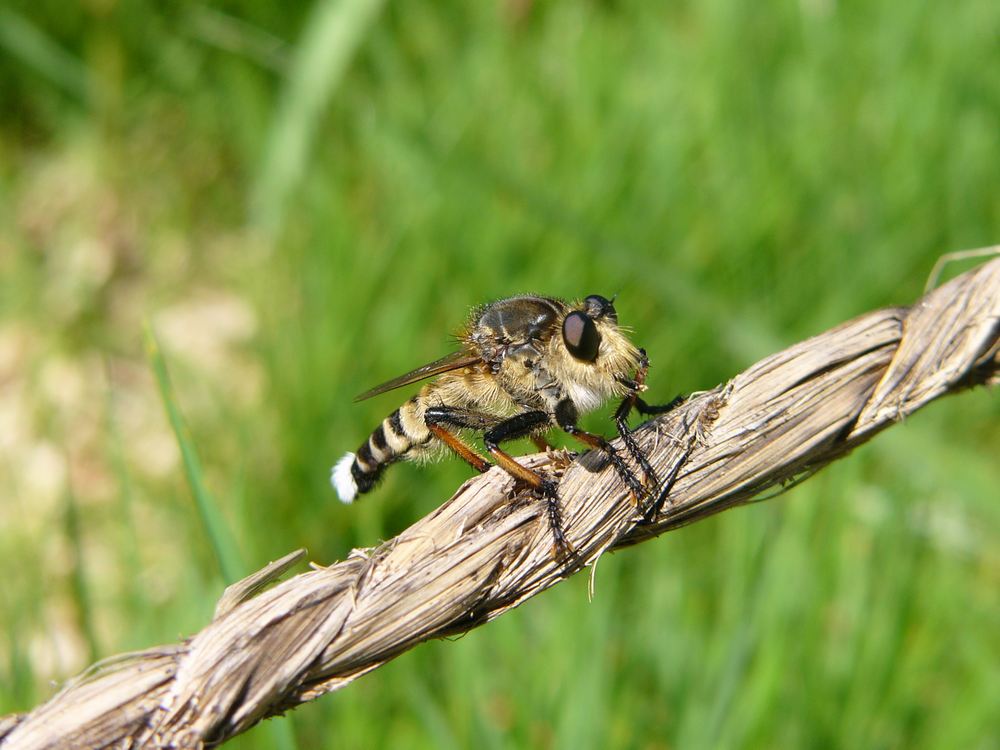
498	329
522	380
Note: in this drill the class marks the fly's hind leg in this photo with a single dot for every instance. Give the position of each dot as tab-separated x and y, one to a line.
522	425
435	417
495	432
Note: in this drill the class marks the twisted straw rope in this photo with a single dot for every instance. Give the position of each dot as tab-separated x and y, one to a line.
488	549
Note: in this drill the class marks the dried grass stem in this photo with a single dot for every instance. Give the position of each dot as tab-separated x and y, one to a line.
488	549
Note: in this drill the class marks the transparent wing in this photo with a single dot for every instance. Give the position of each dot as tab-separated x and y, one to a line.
453	361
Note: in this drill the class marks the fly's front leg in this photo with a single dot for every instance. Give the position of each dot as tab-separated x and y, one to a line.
566	417
652	409
632	401
638	384
621	422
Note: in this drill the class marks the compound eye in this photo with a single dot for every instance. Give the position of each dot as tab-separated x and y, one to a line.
600	307
581	336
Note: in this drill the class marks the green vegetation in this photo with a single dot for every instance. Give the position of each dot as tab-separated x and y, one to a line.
305	199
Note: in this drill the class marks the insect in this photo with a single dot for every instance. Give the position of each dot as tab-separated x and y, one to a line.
527	364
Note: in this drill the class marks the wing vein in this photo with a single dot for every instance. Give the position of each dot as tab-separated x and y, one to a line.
453	361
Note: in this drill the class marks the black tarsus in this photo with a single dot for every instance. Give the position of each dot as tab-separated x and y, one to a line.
654	508
643	408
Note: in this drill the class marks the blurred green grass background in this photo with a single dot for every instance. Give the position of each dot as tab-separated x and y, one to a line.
305	199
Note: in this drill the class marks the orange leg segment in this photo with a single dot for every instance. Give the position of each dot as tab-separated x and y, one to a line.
523	474
460	448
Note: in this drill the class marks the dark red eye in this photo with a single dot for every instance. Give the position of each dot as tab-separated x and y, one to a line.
581	336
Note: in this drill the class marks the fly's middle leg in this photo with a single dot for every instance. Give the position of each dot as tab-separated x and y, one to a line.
566	418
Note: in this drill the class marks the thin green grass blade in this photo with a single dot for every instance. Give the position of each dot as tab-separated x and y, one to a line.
334	32
78	579
33	47
223	544
232	34
17	688
279	733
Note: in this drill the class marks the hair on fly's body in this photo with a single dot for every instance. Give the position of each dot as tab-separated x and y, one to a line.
525	365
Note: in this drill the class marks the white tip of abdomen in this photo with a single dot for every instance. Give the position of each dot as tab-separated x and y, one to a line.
342	479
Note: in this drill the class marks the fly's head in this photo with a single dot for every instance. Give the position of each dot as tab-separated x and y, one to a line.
591	356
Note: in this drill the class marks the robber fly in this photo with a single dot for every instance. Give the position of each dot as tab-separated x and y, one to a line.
526	365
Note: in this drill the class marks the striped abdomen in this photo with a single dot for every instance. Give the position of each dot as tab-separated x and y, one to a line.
400	433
